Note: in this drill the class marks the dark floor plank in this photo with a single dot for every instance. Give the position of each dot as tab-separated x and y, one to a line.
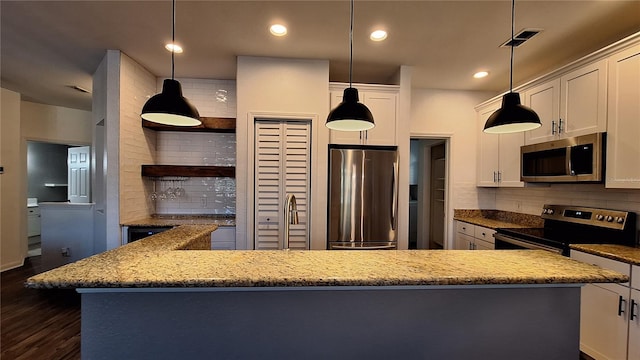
37	324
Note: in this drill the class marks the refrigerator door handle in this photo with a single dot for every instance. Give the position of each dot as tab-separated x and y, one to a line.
394	194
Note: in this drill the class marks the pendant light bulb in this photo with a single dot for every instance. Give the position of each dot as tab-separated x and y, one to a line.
170	107
512	116
350	114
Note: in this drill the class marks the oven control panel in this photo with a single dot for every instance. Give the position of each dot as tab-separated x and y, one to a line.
613	219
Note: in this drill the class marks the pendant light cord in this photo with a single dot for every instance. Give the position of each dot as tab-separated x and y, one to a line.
351	46
173	40
513	12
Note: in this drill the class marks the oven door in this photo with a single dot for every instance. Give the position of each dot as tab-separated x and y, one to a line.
505	242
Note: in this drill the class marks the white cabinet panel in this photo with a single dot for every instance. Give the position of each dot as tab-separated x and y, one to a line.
583	100
572	105
223	238
544	99
623	128
634	324
382	101
473	237
498	154
603	333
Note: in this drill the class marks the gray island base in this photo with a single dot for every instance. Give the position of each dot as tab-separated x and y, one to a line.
389	322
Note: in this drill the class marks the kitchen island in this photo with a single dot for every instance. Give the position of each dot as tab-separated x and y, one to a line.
159	298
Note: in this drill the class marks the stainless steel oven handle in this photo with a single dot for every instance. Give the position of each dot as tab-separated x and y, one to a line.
526	244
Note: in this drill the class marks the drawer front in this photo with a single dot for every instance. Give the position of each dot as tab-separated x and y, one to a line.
614	265
484	233
465	228
635	277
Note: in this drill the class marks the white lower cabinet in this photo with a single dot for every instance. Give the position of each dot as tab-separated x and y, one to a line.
634	315
473	237
224	238
606	328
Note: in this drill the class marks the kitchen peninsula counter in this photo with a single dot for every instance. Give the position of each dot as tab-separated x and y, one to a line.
161	298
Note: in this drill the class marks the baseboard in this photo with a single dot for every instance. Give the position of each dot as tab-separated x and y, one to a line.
11	265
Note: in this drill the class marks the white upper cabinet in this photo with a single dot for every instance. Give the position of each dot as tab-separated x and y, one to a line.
544	99
498	154
623	130
572	105
382	101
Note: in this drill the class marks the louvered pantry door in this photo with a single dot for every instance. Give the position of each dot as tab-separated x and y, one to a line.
282	166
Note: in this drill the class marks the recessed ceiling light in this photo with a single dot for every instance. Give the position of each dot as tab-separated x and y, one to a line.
278	30
174	48
378	35
480	74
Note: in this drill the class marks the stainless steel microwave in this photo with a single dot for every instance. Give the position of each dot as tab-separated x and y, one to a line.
576	159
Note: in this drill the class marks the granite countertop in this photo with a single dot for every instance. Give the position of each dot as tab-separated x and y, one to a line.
176	220
627	254
494	219
161	261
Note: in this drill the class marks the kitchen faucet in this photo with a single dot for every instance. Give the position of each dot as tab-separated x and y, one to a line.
290	217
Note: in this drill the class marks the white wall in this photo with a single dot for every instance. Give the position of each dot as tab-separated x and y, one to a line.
281	89
55	124
13	182
23	121
451	114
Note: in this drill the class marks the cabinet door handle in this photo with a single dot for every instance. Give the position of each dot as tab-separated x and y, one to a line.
622	304
553	127
560	128
495	178
634	306
499	176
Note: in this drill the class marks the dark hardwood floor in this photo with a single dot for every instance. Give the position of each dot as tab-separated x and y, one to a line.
37	324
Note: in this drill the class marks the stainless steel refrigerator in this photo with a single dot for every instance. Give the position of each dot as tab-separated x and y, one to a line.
363	197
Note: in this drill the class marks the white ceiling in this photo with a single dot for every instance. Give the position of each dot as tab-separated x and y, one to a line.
48	45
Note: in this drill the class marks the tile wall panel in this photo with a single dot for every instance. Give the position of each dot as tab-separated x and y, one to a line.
201	195
137	145
530	200
212	98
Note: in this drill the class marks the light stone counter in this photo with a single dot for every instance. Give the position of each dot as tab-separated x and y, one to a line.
160	261
627	254
494	219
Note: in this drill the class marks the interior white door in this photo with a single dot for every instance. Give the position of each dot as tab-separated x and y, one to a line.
78	176
282	166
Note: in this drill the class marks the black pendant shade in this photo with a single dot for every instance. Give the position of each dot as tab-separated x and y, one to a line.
350	114
170	107
512	117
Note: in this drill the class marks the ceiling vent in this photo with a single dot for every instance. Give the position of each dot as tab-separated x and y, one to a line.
521	37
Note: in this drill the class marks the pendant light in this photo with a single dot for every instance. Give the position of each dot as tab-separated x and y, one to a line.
512	116
170	107
350	114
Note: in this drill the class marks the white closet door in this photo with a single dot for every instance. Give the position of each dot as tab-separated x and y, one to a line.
282	166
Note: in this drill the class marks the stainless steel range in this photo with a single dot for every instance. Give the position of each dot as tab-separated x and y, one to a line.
565	225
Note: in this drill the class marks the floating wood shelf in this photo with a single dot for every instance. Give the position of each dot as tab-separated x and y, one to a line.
209	124
189	171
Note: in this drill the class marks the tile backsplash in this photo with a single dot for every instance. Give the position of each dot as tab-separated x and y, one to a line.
202	195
